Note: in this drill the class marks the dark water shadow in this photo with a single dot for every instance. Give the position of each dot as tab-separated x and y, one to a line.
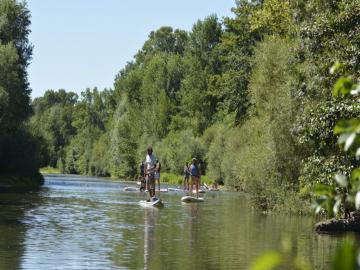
13	226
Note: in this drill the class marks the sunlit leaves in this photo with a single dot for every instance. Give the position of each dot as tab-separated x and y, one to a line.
321	189
267	261
284	259
348	130
355	177
347	126
336	67
275	17
343	86
326	198
346	256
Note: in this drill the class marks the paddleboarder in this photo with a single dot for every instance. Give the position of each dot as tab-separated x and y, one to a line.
141	177
150	165
195	177
186	176
157	173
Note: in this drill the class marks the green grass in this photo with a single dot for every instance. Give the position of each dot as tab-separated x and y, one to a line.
174	179
171	178
49	170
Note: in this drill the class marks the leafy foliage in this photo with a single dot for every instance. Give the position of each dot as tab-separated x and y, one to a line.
250	95
347	190
20	154
15	55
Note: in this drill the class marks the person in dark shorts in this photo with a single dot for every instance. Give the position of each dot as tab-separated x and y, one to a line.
142	177
186	176
157	173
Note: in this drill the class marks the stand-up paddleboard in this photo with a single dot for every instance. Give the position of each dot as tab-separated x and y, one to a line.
161	190
155	202
176	189
190	199
200	191
131	189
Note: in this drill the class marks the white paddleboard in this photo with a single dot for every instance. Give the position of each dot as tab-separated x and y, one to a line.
175	189
161	190
189	199
200	191
155	203
131	189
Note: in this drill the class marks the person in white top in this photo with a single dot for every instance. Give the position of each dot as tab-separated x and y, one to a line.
150	165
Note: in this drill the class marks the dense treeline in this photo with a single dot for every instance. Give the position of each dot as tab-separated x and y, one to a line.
19	155
250	95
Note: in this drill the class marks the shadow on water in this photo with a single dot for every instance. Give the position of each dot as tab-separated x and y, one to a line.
13	207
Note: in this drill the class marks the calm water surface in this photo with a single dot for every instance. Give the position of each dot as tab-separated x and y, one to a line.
90	223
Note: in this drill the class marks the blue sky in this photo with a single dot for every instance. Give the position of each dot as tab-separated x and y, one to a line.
84	43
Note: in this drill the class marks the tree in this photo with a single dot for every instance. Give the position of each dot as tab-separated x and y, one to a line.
237	51
19	150
202	60
15	55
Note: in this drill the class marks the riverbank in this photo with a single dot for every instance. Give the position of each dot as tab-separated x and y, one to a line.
342	225
168	178
174	179
49	170
12	183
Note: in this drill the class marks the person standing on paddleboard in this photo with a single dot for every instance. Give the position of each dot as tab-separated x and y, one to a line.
186	176
195	177
141	177
157	173
150	165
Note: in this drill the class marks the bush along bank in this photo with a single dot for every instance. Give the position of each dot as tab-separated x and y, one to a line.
341	199
174	179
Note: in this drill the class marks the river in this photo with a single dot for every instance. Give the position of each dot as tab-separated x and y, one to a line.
91	223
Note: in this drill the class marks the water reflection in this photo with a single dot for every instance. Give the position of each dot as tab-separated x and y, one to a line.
90	224
149	235
193	231
13	227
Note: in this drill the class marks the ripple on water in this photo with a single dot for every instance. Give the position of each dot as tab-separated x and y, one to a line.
90	223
